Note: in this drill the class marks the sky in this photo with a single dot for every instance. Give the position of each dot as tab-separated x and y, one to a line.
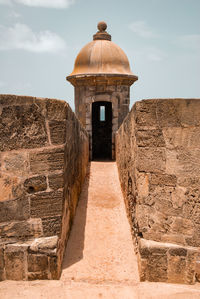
40	39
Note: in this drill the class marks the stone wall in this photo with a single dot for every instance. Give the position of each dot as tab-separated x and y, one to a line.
158	148
43	159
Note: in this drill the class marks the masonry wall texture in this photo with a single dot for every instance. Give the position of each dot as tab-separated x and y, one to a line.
157	152
43	159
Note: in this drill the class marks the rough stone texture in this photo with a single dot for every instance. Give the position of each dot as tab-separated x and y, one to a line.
15	209
46	160
166	262
35	184
15	262
37	263
22	230
43	159
22	127
157	149
56	181
46	204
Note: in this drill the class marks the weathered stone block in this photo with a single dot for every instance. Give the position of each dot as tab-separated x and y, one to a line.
15	262
162	179
177	251
37	263
173	238
145	113
47	160
14	100
192	182
21	230
177	269
10	187
22	127
57	132
167	113
153	261
189	111
195	239
183	226
47	245
54	267
1	258
157	268
182	162
38	275
57	110
197	267
163	203
17	209
142	185
182	137
46	204
2	264
56	181
151	160
35	184
192	259
15	163
152	138
51	225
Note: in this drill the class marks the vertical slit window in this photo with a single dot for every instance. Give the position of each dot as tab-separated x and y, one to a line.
102	113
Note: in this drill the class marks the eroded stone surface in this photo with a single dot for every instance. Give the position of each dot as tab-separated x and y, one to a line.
159	174
22	127
41	142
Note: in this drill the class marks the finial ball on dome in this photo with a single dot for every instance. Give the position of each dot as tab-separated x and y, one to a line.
102	26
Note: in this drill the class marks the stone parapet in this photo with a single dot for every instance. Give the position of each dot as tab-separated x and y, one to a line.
157	152
165	262
43	162
33	259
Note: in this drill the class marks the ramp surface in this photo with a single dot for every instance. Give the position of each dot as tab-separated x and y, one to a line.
103	249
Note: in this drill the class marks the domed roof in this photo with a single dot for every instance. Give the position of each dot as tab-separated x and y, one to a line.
101	56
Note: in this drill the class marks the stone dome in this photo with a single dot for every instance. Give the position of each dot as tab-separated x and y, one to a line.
101	56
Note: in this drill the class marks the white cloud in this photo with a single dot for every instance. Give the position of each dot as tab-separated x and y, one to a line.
41	3
191	41
142	29
20	36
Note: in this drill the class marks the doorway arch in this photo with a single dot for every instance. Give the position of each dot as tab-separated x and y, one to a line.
101	130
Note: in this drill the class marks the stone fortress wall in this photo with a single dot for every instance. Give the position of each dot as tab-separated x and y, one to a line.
44	153
158	157
43	160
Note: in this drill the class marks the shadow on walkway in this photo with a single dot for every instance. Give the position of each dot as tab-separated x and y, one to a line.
75	245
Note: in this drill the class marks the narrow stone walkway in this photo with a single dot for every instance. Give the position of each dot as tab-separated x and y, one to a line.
100	247
99	260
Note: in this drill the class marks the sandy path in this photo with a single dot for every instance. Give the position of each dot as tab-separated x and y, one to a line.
103	249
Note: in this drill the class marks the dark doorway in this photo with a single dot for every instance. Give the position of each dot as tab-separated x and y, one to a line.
101	130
